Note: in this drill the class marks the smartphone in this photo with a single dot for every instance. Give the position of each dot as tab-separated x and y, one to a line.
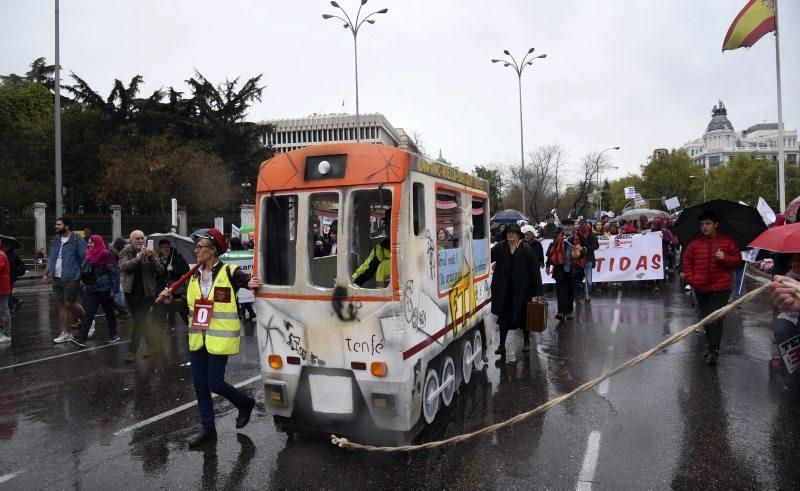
150	245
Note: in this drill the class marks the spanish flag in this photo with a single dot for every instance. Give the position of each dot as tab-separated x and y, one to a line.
756	19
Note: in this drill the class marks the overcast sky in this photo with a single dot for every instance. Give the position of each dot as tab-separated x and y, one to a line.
639	74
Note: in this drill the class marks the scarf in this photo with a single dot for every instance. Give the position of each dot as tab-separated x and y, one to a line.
99	255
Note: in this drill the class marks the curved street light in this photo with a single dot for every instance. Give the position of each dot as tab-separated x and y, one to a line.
354	26
519	68
597	170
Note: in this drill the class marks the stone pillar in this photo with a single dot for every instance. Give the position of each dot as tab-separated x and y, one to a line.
40	230
247	215
183	224
116	222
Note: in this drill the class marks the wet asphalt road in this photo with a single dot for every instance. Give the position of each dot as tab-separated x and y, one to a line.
66	421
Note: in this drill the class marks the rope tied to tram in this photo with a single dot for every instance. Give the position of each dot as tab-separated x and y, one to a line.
585	387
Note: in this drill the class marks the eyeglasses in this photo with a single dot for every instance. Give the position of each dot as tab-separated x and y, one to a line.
197	248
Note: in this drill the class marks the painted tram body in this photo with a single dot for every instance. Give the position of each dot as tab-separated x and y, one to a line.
370	335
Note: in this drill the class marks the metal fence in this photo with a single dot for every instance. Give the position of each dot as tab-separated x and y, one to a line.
23	224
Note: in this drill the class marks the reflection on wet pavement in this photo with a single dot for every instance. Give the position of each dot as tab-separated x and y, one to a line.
670	422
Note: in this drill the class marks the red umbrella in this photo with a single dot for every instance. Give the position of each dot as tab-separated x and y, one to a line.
785	238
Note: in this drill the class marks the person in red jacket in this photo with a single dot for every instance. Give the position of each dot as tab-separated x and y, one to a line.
5	296
708	264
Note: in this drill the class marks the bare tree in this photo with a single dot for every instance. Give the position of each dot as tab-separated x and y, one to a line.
543	175
419	142
590	170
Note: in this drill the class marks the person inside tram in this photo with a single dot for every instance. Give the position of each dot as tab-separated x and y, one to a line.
378	264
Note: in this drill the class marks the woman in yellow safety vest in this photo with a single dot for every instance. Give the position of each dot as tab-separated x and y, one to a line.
214	330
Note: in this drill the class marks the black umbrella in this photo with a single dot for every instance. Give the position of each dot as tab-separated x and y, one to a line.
508	216
13	243
740	222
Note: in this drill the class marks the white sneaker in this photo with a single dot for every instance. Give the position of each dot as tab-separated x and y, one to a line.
64	337
4	338
91	331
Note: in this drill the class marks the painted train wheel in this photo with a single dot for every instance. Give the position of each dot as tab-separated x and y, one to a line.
466	363
477	347
430	398
448	381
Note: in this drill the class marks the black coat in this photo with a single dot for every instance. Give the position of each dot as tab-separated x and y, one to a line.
522	269
592	244
538	250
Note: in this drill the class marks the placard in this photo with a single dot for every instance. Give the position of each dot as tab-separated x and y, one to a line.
630	192
790	352
673	203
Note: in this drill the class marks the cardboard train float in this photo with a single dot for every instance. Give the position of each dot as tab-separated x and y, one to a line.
376	267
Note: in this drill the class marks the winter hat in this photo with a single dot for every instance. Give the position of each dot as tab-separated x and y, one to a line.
216	237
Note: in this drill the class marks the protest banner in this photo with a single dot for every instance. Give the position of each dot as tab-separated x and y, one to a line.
624	257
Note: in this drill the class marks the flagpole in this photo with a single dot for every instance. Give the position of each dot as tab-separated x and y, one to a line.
781	170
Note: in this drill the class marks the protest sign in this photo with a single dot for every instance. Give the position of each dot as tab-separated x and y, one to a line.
673	203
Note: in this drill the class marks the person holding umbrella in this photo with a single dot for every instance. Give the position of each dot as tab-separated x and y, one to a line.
708	264
5	295
214	329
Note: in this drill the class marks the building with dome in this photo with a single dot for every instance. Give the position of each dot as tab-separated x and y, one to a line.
721	142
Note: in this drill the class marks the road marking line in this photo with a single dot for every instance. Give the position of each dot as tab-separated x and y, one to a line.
84	350
615	321
619	297
602	389
586	476
11	476
176	410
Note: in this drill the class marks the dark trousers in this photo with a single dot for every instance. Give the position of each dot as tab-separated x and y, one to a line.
140	314
208	372
246	309
91	302
565	294
706	304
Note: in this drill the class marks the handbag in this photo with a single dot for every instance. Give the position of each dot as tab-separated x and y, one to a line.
536	316
88	277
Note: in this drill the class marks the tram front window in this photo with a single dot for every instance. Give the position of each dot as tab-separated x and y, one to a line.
370	238
323	238
278	239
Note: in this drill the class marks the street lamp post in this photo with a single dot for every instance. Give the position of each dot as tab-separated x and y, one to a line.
354	26
518	68
597	170
704	185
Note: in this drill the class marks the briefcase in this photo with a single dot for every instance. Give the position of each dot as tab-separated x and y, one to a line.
536	316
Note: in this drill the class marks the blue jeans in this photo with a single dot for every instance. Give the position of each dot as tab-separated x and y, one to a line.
91	301
5	315
208	372
588	270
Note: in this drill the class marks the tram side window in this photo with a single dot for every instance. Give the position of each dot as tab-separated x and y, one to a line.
323	238
418	205
448	219
480	246
370	238
478	218
279	236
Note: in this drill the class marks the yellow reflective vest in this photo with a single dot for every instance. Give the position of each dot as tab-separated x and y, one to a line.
383	258
222	335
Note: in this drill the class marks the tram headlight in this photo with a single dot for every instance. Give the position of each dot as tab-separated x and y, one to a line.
324	167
